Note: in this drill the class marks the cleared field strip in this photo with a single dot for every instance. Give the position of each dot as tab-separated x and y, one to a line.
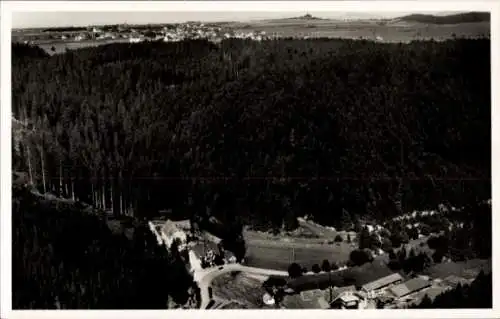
280	256
280	240
297	245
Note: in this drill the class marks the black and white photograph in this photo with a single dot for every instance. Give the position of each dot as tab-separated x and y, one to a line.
304	158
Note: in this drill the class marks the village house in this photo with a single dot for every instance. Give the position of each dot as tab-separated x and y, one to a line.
349	301
343	297
374	288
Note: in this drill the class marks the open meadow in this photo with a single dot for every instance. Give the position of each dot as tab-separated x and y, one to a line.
279	256
308	245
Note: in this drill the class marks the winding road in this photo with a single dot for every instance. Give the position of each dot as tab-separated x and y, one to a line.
204	277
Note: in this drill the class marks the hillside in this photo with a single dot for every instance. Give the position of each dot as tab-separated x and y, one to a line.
459	18
66	257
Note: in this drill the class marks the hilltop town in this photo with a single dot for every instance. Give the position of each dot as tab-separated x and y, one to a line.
135	34
403	29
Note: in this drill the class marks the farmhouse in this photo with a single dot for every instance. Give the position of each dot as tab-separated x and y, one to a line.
344	298
409	287
336	293
375	286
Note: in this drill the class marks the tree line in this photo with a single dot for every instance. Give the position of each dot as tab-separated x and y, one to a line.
257	132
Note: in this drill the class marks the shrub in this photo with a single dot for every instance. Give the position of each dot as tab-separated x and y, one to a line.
359	257
294	270
316	269
325	266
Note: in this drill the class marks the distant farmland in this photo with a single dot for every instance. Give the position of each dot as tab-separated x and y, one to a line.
400	31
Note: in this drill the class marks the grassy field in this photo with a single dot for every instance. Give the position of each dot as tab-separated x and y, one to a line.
240	288
279	257
308	245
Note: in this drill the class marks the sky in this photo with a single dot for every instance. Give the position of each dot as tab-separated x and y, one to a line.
58	19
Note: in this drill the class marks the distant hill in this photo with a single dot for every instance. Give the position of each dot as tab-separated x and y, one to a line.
305	17
448	19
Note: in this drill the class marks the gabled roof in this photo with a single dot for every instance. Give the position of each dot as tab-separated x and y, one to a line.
382	282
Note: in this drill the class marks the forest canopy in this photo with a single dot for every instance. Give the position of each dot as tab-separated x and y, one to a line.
260	132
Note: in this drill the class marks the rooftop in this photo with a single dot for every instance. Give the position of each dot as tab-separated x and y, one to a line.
382	282
410	286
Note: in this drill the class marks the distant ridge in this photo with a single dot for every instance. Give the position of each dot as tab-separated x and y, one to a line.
468	17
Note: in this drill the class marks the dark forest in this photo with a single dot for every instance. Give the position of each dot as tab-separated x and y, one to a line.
252	133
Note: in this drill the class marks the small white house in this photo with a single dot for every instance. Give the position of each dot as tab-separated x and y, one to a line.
268	299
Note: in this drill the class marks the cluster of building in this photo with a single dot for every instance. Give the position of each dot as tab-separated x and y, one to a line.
391	291
123	33
204	249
